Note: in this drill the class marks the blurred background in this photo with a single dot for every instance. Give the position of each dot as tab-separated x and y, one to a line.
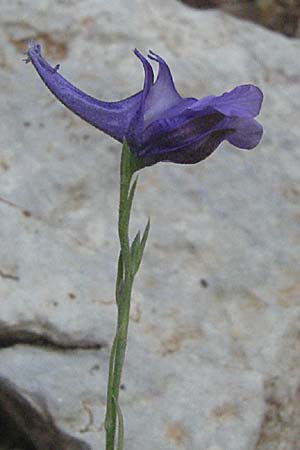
279	15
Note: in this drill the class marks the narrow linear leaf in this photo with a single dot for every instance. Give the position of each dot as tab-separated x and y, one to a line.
135	252
135	245
110	413
119	281
120	439
143	244
145	236
124	212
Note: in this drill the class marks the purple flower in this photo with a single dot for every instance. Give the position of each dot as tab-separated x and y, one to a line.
158	124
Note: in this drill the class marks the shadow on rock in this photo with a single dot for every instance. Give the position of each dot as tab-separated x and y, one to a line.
27	426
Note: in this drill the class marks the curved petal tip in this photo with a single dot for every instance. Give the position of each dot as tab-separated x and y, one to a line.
33	49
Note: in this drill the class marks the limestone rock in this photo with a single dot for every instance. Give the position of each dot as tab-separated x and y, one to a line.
216	306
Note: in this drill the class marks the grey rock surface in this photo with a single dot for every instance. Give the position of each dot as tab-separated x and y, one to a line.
26	423
214	350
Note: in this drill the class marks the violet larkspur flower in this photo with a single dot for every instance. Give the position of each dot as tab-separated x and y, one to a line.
158	124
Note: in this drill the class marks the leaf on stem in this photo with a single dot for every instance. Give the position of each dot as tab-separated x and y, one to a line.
120	425
145	236
137	249
135	253
120	275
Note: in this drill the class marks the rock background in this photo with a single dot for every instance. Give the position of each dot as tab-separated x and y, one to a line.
278	15
213	361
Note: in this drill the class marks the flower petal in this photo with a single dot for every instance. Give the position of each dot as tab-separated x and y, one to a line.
172	133
243	101
199	136
134	135
163	94
248	132
193	135
111	117
191	153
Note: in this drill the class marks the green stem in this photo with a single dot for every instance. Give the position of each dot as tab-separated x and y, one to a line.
129	165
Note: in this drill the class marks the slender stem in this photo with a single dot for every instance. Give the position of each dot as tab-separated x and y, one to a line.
123	295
